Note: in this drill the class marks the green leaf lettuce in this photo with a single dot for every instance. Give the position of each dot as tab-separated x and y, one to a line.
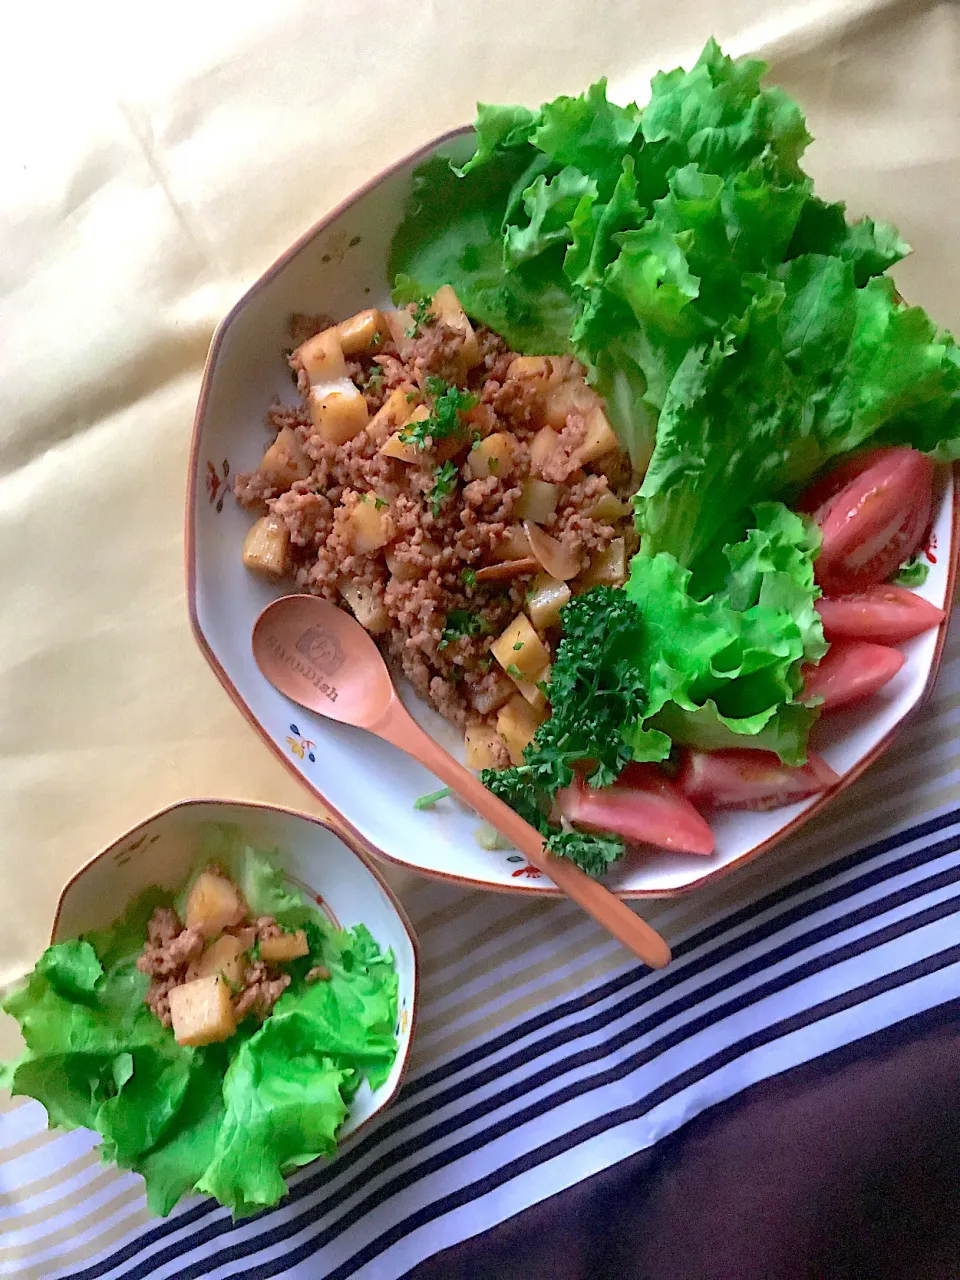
230	1119
725	670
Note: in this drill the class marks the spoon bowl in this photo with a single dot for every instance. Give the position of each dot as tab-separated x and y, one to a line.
306	646
320	657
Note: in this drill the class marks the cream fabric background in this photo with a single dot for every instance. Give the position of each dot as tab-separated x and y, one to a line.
153	160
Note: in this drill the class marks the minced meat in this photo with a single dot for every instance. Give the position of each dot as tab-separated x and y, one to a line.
436	622
170	949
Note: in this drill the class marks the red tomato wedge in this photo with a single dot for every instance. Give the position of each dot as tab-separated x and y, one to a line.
740	779
829	484
887	614
643	806
851	671
875	521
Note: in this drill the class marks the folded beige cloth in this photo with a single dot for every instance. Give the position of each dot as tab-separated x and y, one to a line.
155	159
152	163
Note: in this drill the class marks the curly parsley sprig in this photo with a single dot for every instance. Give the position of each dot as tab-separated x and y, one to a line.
596	696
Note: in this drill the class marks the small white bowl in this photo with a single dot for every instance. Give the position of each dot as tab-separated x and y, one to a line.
164	849
339	267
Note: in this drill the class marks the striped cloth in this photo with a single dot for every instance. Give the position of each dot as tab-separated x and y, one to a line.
542	1058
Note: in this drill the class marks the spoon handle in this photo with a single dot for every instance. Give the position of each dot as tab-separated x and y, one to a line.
398	727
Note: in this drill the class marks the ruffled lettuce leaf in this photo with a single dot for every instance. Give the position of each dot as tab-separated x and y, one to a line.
635	237
282	1108
815	368
740	328
452	231
229	1119
725	669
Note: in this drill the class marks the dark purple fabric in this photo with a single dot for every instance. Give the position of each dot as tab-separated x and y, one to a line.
847	1168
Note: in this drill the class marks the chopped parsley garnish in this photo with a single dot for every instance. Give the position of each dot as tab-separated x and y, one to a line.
518	646
380	503
469	577
421	314
444	480
375	380
461	625
443	420
513	670
596	697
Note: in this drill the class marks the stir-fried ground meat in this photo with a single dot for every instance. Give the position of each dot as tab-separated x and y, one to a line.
261	991
442	519
170	949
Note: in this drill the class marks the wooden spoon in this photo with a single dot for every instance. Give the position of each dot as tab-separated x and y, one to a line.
322	658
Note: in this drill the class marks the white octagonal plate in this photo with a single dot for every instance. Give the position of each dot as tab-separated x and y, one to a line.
340	267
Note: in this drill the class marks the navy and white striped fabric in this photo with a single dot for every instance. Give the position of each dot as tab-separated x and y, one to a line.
850	947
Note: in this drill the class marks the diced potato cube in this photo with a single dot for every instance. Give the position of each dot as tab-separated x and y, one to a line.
246	936
480	746
406	450
213	904
202	1011
400	325
572	395
368	608
321	357
600	438
520	650
362	332
370	525
547	597
288	946
543	445
608	507
338	411
266	548
493	456
533	690
538	500
607	568
394	412
530	367
285	460
492	694
517	723
224	956
396	448
447	306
